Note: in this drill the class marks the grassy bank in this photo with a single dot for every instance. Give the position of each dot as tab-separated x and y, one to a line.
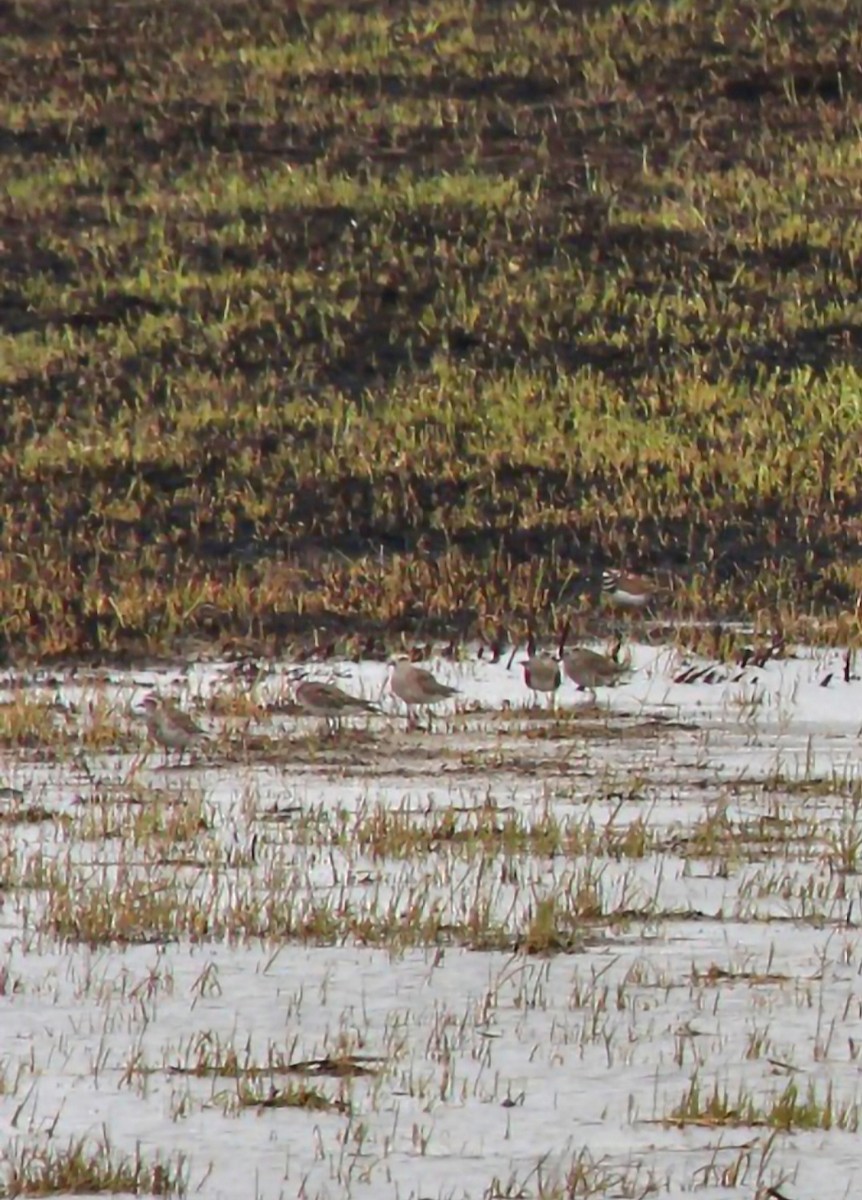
368	320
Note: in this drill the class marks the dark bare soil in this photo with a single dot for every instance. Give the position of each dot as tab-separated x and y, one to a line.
234	408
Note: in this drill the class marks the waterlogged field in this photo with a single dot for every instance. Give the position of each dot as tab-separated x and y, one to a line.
327	326
610	950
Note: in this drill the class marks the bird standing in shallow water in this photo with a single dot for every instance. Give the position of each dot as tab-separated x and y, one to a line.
172	728
589	669
328	701
415	687
542	674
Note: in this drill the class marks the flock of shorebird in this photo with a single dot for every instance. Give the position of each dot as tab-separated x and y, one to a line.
417	688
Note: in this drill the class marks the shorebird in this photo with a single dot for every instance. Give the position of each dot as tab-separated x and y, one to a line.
627	591
168	725
416	686
589	669
542	674
328	701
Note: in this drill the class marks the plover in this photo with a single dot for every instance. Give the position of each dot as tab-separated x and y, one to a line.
168	725
328	701
627	591
542	674
415	686
590	670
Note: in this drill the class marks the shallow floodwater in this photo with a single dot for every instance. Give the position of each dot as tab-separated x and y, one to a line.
369	909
